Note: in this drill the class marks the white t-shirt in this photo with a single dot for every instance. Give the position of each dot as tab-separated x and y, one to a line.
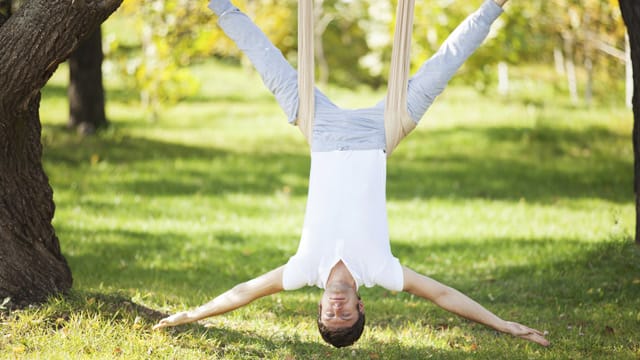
345	219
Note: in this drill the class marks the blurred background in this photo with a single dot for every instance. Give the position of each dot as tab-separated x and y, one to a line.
572	49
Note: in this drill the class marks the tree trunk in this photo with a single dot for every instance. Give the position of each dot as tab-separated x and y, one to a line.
31	265
631	14
503	78
85	92
33	42
558	59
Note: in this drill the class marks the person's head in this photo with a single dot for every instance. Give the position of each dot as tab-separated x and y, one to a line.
341	317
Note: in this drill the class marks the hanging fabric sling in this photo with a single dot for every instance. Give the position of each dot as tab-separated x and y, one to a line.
397	122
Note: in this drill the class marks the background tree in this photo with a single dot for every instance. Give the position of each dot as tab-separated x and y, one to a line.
5	10
33	42
86	92
631	13
171	34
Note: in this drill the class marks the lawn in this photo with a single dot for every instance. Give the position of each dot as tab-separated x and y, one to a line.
524	203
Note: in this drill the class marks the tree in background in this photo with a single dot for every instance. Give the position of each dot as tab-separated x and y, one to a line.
34	40
173	33
86	92
168	35
5	10
631	13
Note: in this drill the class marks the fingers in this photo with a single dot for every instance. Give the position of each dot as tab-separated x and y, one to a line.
536	338
537	332
524	330
528	333
160	325
166	322
173	320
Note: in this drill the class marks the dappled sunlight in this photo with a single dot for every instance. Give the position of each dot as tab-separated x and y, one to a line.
513	163
525	206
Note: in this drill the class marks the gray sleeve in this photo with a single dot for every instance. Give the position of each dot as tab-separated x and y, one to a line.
435	73
277	74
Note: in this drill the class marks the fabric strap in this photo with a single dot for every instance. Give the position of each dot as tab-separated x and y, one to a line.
306	68
397	122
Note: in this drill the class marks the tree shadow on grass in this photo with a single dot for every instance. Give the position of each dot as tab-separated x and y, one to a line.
301	349
221	342
563	284
539	165
185	169
163	262
546	165
586	296
557	270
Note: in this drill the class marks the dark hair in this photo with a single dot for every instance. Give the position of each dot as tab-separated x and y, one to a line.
343	336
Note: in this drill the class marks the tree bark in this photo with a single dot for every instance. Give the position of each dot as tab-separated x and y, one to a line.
85	92
631	14
33	42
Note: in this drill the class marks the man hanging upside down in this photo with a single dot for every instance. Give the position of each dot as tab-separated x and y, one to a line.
345	239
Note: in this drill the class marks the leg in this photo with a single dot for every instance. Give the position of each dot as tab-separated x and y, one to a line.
435	73
277	74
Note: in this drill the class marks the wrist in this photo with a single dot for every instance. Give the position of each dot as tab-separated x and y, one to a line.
503	326
193	315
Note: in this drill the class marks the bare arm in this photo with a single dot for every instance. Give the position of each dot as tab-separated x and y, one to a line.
456	302
500	2
238	296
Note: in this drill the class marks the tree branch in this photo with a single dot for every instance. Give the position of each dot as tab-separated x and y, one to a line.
41	35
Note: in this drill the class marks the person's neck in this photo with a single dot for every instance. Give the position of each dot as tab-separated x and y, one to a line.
340	275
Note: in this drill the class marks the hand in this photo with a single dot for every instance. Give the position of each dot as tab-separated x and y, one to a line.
526	333
500	2
174	320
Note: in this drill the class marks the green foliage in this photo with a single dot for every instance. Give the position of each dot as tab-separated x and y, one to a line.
345	42
525	204
165	40
151	43
5	8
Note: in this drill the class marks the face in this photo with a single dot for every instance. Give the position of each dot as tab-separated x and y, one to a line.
339	306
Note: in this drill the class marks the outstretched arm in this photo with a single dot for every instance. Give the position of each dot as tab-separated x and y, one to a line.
456	302
238	296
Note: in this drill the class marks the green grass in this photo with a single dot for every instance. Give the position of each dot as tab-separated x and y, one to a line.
523	203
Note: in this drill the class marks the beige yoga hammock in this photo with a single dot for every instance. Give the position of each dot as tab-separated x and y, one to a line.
397	122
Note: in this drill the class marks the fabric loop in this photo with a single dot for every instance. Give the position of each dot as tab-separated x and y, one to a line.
397	122
306	68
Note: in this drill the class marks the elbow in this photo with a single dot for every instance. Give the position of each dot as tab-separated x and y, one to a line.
420	98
